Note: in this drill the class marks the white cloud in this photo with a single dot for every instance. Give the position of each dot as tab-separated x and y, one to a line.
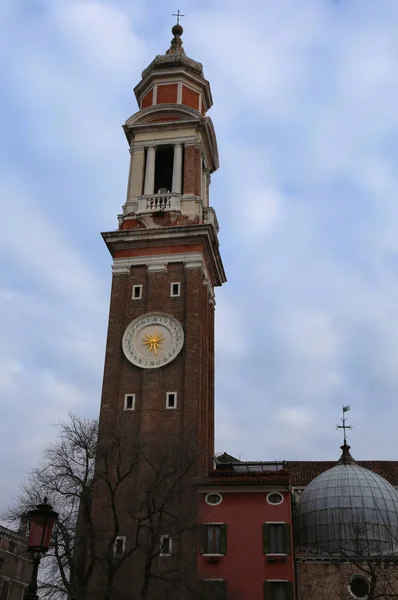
305	110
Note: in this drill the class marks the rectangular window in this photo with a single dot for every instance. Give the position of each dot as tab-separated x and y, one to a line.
4	589
278	590
137	292
175	289
276	538
12	546
213	538
129	402
213	589
165	545
171	399
119	546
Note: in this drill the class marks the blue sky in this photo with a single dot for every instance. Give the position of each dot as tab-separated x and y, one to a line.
305	109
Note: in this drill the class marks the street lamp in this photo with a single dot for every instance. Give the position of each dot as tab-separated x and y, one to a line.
41	523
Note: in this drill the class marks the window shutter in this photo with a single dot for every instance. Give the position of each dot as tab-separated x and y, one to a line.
202	590
202	538
266	538
221	590
289	590
5	589
287	549
223	539
267	590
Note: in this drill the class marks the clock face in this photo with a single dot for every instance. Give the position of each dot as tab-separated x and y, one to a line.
153	340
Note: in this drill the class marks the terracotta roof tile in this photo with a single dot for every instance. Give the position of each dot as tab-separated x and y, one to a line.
303	471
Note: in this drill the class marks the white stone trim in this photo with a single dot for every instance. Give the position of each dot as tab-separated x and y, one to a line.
222	488
123	539
177	169
140	289
168	394
137	147
153	268
125	402
178	294
159	262
189	139
170	539
275	522
149	181
214	493
155	94
179	93
200	102
282	498
195	264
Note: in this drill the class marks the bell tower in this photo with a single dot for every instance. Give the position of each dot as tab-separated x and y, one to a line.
158	385
159	365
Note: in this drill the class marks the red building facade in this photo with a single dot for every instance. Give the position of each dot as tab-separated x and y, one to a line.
245	547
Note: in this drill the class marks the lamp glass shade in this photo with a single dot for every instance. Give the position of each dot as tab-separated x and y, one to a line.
41	525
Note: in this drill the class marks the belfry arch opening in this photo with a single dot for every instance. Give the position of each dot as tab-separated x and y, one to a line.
164	169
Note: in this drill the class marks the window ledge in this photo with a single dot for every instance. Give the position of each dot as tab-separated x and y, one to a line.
276	554
213	555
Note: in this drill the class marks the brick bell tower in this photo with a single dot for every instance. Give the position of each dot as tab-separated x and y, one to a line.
159	365
158	386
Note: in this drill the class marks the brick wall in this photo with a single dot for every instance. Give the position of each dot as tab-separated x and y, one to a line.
192	171
186	431
322	580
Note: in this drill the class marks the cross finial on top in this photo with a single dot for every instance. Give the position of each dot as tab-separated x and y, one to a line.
344	426
178	15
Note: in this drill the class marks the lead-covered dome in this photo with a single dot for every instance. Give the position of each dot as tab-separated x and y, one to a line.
348	510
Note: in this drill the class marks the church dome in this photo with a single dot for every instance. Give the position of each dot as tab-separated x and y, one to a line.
348	510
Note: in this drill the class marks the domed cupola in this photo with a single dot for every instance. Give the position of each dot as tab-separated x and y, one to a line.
346	511
174	78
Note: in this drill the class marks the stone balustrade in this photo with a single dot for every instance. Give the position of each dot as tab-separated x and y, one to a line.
159	202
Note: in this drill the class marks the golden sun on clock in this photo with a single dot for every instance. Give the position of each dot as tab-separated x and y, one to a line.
153	340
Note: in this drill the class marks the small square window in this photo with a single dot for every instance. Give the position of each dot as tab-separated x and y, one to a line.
165	545
175	289
119	546
137	292
171	399
129	402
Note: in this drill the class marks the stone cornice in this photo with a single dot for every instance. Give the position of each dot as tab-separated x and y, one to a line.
191	118
251	487
138	239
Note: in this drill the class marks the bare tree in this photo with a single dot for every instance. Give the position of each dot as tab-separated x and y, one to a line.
148	494
118	509
65	475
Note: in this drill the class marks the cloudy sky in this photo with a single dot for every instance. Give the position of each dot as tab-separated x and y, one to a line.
306	113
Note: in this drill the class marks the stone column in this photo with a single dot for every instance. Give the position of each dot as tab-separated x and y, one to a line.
204	187
149	186
177	169
136	175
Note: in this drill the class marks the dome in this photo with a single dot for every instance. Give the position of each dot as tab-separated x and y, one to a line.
348	510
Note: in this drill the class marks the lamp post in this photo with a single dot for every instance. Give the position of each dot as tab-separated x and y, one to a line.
41	523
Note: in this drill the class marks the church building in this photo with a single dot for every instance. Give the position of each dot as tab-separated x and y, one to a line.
172	521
